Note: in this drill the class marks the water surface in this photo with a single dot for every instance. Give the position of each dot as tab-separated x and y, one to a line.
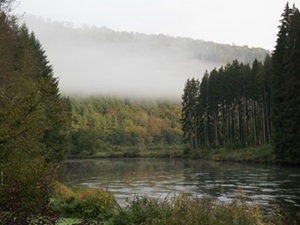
167	177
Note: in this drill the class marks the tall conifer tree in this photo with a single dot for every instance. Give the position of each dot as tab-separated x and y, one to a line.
285	87
289	147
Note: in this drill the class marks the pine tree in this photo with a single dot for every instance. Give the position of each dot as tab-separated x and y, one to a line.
290	111
189	112
30	106
277	80
285	88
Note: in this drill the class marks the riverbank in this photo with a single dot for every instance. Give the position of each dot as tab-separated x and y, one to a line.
260	154
264	185
177	210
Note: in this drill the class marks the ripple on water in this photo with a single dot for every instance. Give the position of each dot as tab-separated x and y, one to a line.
222	181
268	190
227	185
289	200
247	187
224	199
267	184
263	197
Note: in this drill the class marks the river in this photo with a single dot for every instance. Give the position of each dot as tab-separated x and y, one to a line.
160	178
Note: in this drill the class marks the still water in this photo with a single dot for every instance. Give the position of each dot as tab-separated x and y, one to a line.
166	177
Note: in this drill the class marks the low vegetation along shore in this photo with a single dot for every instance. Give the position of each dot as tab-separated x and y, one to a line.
99	207
94	207
261	154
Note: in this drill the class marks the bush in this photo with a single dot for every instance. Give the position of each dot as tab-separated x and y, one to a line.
190	211
187	150
25	191
87	204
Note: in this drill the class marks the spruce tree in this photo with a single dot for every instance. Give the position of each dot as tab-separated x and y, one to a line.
277	71
290	111
285	87
189	113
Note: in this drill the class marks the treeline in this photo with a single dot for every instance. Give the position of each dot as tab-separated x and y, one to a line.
242	105
34	123
229	107
93	36
104	123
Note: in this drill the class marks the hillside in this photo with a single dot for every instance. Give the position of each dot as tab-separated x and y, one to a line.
101	124
91	60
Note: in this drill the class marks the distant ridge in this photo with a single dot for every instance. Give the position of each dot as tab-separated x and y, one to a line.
203	50
91	60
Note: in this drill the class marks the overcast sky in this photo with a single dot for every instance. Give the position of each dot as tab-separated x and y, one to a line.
252	22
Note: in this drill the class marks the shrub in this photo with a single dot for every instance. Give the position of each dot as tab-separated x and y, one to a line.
25	191
187	150
87	204
190	211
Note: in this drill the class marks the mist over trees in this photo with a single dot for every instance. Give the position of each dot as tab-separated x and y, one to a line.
242	105
91	60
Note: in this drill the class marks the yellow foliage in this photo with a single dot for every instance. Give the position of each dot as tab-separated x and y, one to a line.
62	191
105	197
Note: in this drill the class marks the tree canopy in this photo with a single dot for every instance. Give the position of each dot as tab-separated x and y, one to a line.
286	86
34	121
242	105
103	123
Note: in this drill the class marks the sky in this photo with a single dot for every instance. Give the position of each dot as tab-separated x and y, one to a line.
253	22
125	70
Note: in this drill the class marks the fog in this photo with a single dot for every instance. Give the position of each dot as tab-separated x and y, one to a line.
92	61
121	69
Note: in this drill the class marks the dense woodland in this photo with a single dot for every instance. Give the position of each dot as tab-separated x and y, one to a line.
105	123
242	105
34	122
229	107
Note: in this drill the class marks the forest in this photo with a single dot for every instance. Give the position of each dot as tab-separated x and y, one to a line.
34	123
241	105
106	123
230	107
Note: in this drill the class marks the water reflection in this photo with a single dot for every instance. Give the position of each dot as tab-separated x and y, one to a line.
164	177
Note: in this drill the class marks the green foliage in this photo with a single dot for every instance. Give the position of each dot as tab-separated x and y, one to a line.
34	123
101	124
262	154
190	111
233	108
86	204
190	211
25	190
229	107
187	150
285	88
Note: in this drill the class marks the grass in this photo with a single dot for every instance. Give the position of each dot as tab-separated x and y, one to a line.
135	153
187	210
261	154
95	207
194	211
68	221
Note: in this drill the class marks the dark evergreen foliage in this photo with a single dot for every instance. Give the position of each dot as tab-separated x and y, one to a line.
230	107
34	122
286	86
242	105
